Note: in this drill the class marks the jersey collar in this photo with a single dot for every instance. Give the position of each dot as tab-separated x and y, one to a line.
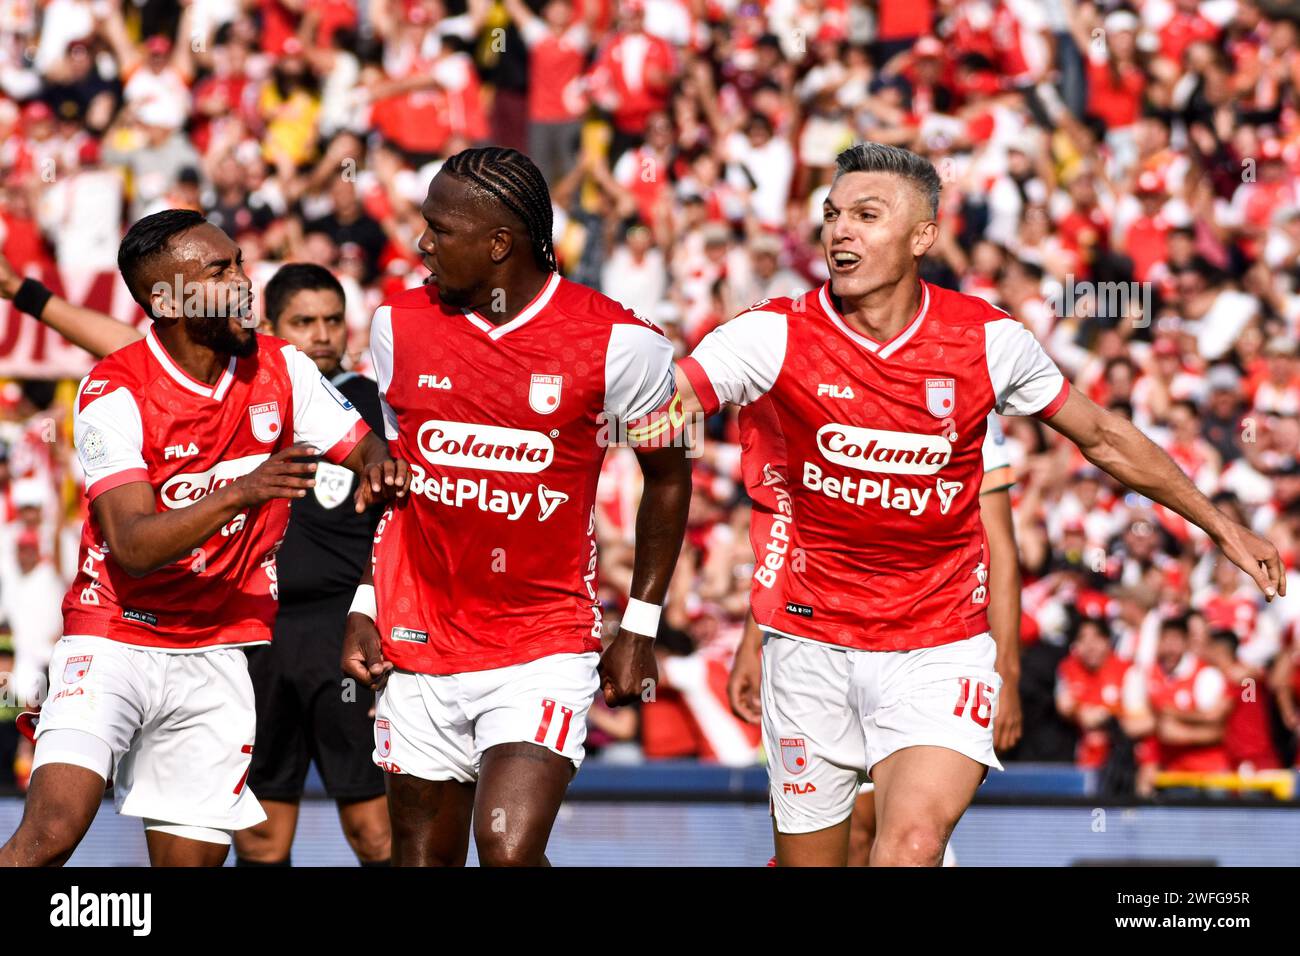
184	379
881	349
530	310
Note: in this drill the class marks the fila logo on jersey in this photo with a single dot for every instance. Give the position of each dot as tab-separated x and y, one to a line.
544	393
487	447
265	419
940	396
75	668
434	381
835	391
180	451
409	634
798	789
383	738
181	491
891	453
794	755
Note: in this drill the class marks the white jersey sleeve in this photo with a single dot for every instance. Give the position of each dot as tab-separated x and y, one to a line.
381	360
109	439
1025	380
994	449
321	415
640	385
738	362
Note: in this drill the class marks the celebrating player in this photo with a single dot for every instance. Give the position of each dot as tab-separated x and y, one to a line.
302	713
879	659
764	466
193	441
502	383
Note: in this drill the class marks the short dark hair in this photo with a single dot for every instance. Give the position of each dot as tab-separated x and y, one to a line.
144	242
1178	622
879	158
289	280
514	181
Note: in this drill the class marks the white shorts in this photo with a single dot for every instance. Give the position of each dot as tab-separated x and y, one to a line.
437	726
831	714
180	727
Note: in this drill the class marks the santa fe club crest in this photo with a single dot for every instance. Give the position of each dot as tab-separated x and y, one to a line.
940	396
75	668
544	393
266	421
383	738
794	756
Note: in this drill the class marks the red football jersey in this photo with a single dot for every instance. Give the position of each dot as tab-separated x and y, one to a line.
883	444
1192	686
491	558
140	417
1103	687
763	467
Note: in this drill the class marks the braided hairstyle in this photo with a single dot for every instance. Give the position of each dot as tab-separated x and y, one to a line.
513	180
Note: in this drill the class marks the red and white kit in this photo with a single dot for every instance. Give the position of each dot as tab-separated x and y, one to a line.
884	603
150	665
489	564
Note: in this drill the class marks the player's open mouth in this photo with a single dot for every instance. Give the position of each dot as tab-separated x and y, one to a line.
845	261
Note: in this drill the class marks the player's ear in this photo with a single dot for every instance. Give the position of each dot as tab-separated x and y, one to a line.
503	240
923	237
165	300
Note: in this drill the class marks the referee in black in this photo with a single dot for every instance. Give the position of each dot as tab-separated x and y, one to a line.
304	712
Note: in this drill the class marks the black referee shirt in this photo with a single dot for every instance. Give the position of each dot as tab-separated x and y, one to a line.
327	544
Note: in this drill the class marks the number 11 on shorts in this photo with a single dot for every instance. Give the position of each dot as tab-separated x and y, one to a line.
548	712
982	710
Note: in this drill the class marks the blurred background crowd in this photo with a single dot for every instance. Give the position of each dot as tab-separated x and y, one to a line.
1119	176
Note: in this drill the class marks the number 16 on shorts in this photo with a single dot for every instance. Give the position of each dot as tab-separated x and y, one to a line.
981	707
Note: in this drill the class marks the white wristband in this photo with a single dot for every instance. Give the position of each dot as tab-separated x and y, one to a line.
364	602
641	618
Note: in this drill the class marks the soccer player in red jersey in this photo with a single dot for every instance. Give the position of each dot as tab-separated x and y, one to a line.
503	383
763	465
193	443
880	660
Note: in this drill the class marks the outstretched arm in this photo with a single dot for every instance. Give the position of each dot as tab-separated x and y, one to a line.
1115	446
97	333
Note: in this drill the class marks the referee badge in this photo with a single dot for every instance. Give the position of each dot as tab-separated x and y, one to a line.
333	483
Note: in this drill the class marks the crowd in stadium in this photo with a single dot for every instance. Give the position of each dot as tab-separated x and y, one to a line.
1120	177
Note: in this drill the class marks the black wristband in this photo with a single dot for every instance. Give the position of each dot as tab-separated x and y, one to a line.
31	298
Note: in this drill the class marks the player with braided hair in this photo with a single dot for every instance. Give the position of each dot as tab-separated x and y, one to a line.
480	626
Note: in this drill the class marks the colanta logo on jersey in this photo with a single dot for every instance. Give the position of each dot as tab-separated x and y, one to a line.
891	453
489	447
181	491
